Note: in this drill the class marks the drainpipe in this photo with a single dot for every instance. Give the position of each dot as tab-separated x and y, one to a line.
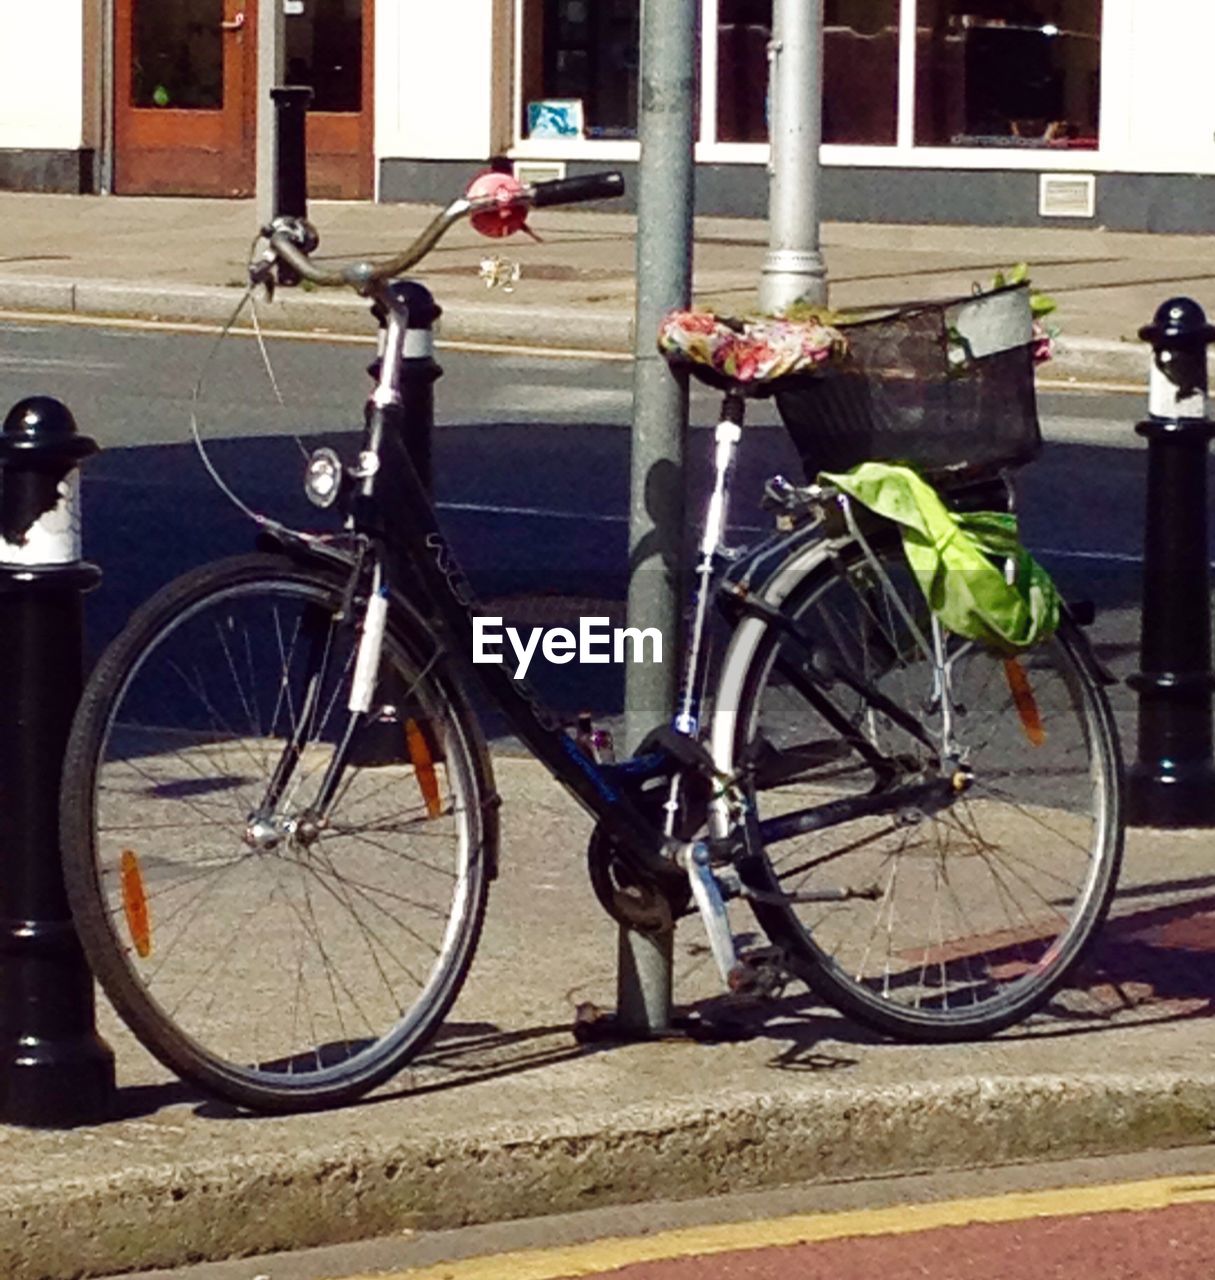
105	143
271	63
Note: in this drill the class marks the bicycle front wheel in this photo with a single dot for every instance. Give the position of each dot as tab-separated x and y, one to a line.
944	921
284	931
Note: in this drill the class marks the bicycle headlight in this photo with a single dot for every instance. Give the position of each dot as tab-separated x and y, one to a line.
323	478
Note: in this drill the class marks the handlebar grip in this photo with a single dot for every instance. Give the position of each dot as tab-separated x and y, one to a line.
594	186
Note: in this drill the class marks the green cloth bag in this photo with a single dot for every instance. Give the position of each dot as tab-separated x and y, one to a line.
951	555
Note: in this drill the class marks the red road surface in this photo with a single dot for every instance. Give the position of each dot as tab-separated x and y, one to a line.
1175	1243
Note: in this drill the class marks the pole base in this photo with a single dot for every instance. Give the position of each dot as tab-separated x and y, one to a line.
1171	797
595	1026
57	1083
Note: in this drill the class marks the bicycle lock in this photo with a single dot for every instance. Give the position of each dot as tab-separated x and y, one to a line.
1172	783
55	1070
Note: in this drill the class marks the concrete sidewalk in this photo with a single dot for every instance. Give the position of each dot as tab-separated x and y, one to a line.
184	259
507	1116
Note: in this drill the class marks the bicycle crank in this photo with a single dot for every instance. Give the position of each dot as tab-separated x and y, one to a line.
631	899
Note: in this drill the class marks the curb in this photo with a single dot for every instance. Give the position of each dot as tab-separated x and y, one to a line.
511	324
1099	360
1078	359
166	1215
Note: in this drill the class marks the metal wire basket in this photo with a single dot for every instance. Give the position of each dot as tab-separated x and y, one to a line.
945	387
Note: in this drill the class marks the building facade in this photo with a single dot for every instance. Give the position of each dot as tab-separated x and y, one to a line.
1021	112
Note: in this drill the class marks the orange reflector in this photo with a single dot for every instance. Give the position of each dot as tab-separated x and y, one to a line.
1024	700
135	905
424	768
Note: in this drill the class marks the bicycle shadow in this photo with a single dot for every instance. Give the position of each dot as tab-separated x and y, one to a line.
1154	966
463	1054
467	1054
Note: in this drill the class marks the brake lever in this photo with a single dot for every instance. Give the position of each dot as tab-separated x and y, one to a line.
261	272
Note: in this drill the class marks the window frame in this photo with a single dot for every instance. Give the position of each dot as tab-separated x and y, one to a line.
1109	154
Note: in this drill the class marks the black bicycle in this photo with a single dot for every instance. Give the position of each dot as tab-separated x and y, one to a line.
283	907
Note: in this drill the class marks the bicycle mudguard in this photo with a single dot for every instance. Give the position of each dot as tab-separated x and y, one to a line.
283	541
1082	614
773	567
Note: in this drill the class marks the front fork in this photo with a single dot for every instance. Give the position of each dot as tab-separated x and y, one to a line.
366	673
387	394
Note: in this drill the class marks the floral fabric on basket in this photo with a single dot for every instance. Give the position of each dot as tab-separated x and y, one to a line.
749	350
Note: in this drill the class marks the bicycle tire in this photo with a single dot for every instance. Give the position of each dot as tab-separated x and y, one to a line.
1040	820
299	960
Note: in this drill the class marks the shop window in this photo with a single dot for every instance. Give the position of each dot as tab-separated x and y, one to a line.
580	68
1008	73
860	70
744	28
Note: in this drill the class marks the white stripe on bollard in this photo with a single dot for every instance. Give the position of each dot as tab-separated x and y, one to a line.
54	537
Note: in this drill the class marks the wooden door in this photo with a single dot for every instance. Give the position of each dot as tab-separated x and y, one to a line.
185	111
329	48
185	75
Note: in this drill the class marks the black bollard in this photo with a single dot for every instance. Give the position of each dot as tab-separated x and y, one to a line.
1172	783
290	160
419	373
54	1068
291	150
384	741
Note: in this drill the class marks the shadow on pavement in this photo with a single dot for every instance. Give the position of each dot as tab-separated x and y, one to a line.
536	512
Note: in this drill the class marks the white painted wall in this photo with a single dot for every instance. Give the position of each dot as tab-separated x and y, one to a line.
434	79
1157	108
42	74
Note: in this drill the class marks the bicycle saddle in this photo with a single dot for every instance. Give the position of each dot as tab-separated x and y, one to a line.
747	356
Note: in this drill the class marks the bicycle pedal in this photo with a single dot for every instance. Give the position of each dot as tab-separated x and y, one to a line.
761	972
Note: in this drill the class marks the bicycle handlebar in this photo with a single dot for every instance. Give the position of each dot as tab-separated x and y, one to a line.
288	236
594	186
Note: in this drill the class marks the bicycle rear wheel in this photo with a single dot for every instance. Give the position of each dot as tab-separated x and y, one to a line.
279	950
928	923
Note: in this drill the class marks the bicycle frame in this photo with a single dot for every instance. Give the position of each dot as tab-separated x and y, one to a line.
415	551
394	507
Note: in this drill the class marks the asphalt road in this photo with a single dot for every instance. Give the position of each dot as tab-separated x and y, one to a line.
531	464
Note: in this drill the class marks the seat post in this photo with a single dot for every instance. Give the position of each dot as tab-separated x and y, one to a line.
726	435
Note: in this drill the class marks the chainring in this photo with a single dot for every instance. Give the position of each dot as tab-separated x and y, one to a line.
637	901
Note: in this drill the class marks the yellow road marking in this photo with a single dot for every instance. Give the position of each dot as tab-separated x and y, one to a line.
607	1254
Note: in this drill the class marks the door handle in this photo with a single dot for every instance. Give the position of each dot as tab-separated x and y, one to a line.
235	24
